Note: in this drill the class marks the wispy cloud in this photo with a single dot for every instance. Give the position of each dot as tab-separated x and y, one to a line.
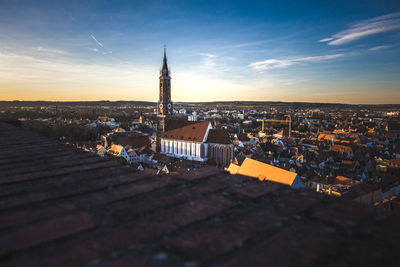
94	38
284	63
208	61
379	47
365	28
49	50
93	49
241	45
34	76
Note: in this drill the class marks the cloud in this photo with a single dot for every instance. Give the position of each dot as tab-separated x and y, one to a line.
49	50
379	47
207	55
93	49
284	63
94	38
365	28
325	40
209	61
32	74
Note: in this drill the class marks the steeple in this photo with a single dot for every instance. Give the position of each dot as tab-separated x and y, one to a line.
164	71
164	109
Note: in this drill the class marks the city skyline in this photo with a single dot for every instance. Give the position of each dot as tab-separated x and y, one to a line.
338	52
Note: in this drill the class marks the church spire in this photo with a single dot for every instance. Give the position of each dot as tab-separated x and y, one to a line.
164	71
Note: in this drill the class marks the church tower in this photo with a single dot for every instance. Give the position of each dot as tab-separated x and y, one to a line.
164	107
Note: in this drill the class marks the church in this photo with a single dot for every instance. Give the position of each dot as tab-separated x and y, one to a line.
189	140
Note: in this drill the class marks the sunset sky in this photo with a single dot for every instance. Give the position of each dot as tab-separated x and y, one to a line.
314	51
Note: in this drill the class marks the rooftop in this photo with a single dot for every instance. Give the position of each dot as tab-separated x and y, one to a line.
63	206
218	136
193	131
264	171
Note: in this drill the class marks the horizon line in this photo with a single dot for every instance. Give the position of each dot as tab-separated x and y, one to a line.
224	101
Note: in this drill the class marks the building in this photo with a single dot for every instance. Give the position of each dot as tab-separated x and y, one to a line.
343	150
187	141
164	106
101	151
197	141
264	171
220	147
118	151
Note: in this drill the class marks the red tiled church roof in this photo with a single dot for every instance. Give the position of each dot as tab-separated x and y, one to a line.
193	132
218	136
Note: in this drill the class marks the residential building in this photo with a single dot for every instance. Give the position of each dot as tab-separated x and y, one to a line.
264	171
118	151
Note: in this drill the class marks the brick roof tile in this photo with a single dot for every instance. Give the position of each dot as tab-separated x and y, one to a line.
67	207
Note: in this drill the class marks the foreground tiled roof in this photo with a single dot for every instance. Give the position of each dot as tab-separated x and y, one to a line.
63	207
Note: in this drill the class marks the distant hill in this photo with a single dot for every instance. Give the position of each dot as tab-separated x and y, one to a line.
215	104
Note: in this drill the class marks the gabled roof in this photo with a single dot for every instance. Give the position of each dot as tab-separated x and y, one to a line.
194	132
263	171
116	149
175	124
324	136
233	168
218	136
133	141
339	131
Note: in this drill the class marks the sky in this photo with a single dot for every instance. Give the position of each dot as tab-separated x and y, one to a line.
297	51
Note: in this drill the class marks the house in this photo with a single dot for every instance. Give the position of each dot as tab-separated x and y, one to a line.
264	171
326	137
101	151
134	141
233	168
133	156
331	185
343	150
146	155
118	151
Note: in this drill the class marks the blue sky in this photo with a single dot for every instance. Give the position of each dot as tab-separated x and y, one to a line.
316	51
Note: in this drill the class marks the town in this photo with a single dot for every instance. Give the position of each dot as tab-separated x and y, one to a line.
340	150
